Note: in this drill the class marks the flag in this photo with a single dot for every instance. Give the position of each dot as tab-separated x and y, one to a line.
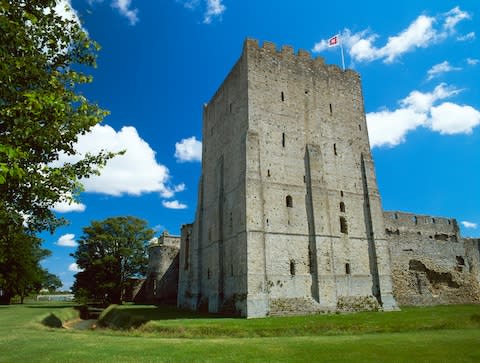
334	41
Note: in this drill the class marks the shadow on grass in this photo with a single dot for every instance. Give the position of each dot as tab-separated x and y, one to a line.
134	316
47	306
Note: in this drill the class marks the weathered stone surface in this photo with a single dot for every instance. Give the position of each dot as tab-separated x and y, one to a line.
431	263
289	217
161	285
288	201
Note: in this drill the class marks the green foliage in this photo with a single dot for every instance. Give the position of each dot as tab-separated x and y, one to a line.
110	252
41	115
51	282
20	271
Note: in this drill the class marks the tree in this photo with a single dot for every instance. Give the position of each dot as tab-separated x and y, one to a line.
109	253
20	270
41	115
41	111
50	281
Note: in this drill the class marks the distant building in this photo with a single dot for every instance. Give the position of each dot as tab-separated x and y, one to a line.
289	217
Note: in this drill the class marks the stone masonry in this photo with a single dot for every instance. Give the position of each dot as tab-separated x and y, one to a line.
162	271
289	217
289	210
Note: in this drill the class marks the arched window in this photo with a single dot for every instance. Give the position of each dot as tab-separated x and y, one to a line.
289	201
342	207
343	225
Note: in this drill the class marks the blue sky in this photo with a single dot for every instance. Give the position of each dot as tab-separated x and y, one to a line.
162	60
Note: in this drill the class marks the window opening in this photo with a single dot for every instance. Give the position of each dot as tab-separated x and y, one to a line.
289	201
208	274
343	225
292	267
268	172
360	127
331	110
335	149
415	220
341	193
230	107
283	96
283	139
231	270
347	268
342	207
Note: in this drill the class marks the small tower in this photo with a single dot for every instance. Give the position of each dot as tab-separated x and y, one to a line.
289	218
162	271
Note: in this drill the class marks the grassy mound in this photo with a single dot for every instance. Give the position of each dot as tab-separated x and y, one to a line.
172	323
57	317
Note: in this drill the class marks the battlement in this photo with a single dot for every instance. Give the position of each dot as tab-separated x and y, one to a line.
165	239
288	52
423	226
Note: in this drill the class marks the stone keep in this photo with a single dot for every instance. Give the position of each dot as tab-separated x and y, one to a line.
289	217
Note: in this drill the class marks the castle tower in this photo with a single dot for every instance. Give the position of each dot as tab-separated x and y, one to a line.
162	271
289	217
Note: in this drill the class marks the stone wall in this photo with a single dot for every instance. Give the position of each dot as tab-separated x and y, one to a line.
161	285
431	263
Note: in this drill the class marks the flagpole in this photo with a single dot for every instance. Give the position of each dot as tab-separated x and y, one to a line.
341	48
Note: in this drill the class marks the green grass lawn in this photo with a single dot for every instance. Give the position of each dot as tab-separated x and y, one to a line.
434	334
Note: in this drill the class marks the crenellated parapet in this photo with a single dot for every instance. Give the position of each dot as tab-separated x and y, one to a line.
287	52
423	226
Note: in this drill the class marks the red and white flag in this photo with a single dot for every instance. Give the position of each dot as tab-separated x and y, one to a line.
334	41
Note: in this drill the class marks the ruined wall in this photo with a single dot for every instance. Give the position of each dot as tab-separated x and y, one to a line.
431	263
161	285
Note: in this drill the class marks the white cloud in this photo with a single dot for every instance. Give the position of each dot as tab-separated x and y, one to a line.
473	61
67	240
134	173
467	224
422	102
190	4
421	33
468	36
65	9
440	68
453	17
67	204
124	8
188	150
389	128
74	267
66	207
418	109
215	8
173	204
450	118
